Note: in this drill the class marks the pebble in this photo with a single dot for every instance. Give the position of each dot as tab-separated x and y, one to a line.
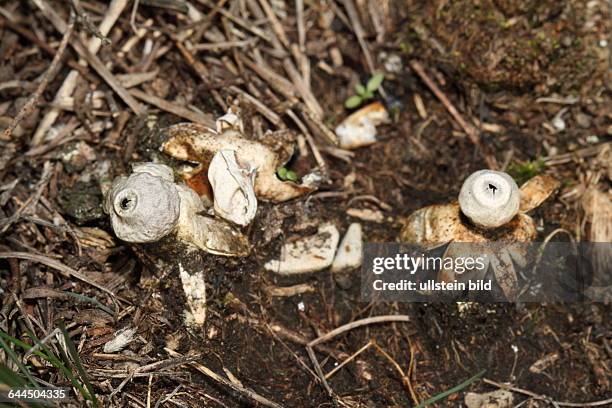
308	254
350	251
592	139
392	63
122	338
583	120
558	123
359	129
495	399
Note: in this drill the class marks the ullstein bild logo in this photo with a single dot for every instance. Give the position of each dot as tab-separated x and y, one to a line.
491	272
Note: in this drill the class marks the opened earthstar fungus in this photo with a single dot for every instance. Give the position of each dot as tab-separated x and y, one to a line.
148	207
491	209
199	144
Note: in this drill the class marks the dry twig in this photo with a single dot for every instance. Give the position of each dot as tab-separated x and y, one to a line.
88	53
548	399
250	394
470	130
66	270
340	330
47	77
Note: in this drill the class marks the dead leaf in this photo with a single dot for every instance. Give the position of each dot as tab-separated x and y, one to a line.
536	190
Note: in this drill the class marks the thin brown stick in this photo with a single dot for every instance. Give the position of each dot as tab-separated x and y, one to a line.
319	370
91	58
470	130
43	45
317	125
359	323
576	155
32	200
395	364
277	82
202	72
205	23
349	359
108	77
68	271
70	81
545	398
313	146
158	365
340	330
303	89
244	24
301	27
259	106
411	365
296	338
241	390
299	359
47	77
173	108
359	32
222	45
277	27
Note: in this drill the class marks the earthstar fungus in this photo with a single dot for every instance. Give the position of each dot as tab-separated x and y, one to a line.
496	214
489	198
145	206
196	143
148	206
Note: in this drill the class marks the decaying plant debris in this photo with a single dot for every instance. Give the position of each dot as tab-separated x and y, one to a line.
238	94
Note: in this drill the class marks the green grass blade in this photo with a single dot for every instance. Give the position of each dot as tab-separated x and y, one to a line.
47	355
77	360
9	351
87	299
453	390
7	373
10	378
65	367
13	380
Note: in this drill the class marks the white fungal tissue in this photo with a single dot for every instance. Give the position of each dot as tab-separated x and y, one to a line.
145	206
194	287
148	205
489	198
234	195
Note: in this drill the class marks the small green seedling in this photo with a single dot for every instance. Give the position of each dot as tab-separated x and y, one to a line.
286	175
364	92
